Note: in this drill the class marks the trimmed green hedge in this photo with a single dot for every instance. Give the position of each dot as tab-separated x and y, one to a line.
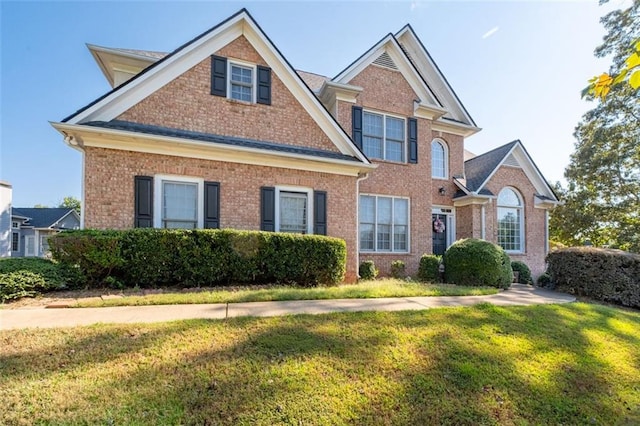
524	273
604	274
27	276
428	269
203	257
477	262
367	270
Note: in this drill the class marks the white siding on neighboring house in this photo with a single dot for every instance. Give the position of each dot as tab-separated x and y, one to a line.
5	219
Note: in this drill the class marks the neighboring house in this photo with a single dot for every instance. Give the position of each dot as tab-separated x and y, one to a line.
225	133
32	227
5	219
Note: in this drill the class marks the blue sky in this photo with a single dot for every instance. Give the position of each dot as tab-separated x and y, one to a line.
518	67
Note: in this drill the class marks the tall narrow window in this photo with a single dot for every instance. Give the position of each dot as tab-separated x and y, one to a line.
510	221
15	241
384	224
179	205
439	160
383	137
241	83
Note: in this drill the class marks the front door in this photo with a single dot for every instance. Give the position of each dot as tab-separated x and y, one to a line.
439	232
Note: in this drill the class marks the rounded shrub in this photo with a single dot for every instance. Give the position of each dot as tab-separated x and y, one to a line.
545	280
398	269
22	277
428	269
524	273
477	262
367	270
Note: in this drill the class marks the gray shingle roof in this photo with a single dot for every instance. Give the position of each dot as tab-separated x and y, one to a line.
479	168
218	139
41	217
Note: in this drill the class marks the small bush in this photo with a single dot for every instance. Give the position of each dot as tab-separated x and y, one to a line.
524	273
428	269
203	257
477	262
367	270
398	269
603	274
545	281
26	277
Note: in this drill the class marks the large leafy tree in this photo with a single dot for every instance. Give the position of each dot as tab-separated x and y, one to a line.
70	202
602	201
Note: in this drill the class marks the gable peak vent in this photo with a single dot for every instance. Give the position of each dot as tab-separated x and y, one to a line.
385	61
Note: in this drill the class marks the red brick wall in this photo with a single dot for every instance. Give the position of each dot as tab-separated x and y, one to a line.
535	225
109	196
387	91
187	103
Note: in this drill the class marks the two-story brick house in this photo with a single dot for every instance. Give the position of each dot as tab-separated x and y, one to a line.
225	133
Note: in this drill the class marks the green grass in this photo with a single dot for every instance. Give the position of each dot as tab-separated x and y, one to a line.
366	289
550	364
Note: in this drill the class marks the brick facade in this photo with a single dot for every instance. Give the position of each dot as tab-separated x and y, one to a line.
109	191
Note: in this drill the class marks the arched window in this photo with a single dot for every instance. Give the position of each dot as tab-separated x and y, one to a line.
510	220
439	159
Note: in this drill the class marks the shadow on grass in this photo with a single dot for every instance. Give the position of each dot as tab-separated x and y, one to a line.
481	365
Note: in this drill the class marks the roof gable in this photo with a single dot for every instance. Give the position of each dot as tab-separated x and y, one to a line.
388	51
165	70
480	169
428	69
43	217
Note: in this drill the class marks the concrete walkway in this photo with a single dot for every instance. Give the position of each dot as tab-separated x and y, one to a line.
48	318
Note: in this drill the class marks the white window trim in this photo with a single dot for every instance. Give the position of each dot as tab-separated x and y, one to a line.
254	70
375	226
308	191
451	222
15	225
446	159
157	197
522	219
384	134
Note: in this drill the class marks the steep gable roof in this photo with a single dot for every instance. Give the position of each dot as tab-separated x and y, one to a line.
479	170
427	67
42	217
161	72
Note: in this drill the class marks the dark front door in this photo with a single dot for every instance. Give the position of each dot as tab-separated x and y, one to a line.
439	232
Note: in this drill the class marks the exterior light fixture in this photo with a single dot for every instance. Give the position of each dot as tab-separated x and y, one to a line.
442	191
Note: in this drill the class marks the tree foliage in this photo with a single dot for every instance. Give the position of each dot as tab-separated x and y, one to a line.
602	201
70	202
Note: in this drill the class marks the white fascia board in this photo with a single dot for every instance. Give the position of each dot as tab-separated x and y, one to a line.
332	91
86	136
199	50
459	129
111	60
460	185
434	77
429	112
390	45
529	169
472	199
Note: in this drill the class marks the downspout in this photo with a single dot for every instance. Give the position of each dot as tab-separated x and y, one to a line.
546	232
361	177
483	223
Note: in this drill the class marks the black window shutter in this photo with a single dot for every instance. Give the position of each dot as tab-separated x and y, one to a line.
264	85
218	75
268	209
320	212
356	125
412	130
143	201
212	205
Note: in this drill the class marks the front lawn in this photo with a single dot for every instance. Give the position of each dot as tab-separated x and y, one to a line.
553	364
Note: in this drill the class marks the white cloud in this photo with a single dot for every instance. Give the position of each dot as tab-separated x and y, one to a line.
491	32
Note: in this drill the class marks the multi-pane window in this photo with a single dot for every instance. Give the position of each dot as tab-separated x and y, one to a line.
438	159
384	223
293	212
15	241
241	83
383	137
510	220
179	205
15	225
